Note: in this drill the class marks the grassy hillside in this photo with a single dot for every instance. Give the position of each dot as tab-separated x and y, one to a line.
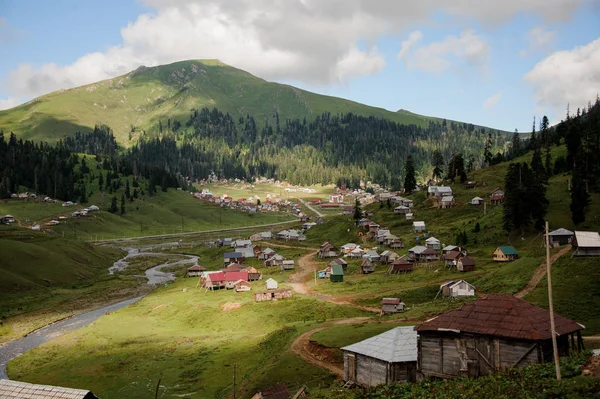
143	97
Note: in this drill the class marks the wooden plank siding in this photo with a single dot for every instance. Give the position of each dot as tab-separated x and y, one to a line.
366	371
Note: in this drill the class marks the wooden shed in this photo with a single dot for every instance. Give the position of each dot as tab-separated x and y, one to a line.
287	265
392	305
505	253
419	226
560	236
195	271
15	389
272	295
401	266
339	261
253	274
367	266
457	289
387	358
490	334
337	274
465	264
242	286
271	284
327	250
586	243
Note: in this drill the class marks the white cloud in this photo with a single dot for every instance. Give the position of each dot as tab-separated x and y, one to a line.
437	56
312	41
6	103
407	44
567	77
490	102
539	38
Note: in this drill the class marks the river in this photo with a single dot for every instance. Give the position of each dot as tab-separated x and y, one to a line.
154	275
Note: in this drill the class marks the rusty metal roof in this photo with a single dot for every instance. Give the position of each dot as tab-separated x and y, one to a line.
390	301
501	315
21	390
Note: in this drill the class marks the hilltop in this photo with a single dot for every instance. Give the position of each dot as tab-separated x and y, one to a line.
141	98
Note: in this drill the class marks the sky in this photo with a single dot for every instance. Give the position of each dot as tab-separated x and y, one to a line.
493	63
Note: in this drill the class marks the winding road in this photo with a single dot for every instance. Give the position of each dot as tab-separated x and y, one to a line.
540	272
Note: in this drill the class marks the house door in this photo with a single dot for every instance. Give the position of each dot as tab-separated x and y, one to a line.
351	368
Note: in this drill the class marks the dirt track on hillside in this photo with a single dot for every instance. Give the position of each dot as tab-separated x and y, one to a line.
539	273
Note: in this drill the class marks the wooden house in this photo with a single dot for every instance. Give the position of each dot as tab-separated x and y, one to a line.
337	274
470	184
347	248
586	243
272	295
454	248
428	255
287	264
266	254
232	257
441	191
497	196
279	391
253	274
387	358
275	260
401	210
388	256
357	253
560	237
409	216
327	250
372	255
396	243
242	286
233	267
232	277
451	258
347	210
271	284
392	305
15	389
339	261
433	243
465	264
401	266
367	266
416	250
495	333
418	227
447	201
505	253
195	271
457	289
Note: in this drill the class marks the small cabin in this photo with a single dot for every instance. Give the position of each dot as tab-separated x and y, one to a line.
457	289
401	210
271	284
195	271
339	261
447	201
388	256
401	266
275	260
419	227
388	358
586	243
337	274
392	305
505	253
372	255
433	243
232	257
242	286
497	196
451	258
287	265
396	243
409	216
327	250
476	201
266	254
465	264
367	266
253	274
560	237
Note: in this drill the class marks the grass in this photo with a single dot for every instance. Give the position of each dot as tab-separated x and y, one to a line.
186	340
344	335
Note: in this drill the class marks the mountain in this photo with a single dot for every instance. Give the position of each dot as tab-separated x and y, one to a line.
140	99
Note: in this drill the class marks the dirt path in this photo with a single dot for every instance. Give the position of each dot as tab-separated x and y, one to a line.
309	206
540	272
304	348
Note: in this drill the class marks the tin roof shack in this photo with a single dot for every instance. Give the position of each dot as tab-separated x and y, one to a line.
433	243
401	266
586	243
466	264
242	286
505	253
456	289
275	260
386	358
253	273
266	254
367	266
337	274
16	389
195	271
490	334
232	257
339	261
272	295
271	284
419	227
560	237
287	265
327	250
392	305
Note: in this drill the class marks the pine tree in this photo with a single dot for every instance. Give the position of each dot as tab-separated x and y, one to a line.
410	181
4	193
437	163
113	205
122	204
487	151
545	135
127	189
100	181
83	194
510	217
516	145
533	144
357	211
456	168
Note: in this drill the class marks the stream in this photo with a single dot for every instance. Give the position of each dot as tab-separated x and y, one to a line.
154	275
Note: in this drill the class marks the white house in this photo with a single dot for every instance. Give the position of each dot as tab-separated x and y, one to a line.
433	243
271	284
419	227
477	201
456	289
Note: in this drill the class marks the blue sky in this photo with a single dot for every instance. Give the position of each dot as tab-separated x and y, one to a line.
495	64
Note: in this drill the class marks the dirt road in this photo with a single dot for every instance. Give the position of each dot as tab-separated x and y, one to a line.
309	206
540	272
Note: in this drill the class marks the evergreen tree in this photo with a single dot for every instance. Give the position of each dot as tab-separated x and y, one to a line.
357	211
101	181
533	144
127	189
4	193
545	137
487	151
456	168
83	194
113	205
122	204
580	198
516	145
512	191
410	181
437	163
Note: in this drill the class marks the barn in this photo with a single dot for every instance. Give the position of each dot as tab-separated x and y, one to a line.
16	389
386	358
491	334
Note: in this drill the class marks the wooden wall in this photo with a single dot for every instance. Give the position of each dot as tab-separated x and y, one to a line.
370	372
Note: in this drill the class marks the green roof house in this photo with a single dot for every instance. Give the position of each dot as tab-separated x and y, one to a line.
337	273
505	253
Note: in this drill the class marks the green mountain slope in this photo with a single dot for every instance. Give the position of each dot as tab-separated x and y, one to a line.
139	99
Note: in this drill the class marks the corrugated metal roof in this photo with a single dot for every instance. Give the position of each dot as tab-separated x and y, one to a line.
501	315
23	390
418	224
418	249
337	270
561	232
587	239
432	240
396	345
447	198
508	250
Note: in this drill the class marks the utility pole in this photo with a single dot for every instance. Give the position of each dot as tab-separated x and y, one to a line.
551	306
234	370
315	276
